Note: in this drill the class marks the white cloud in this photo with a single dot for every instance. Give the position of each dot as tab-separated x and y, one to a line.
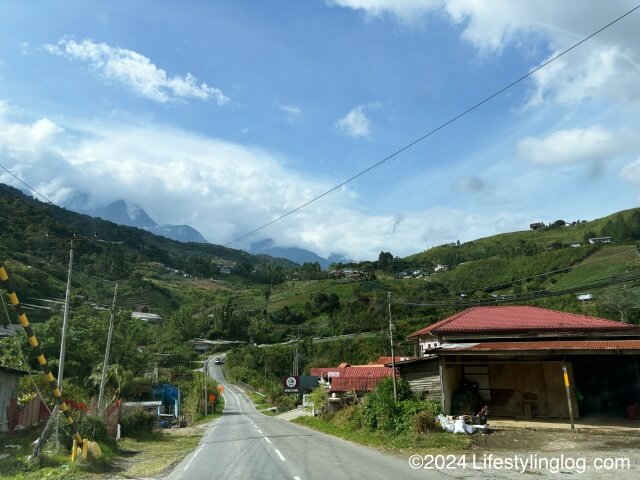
292	112
588	145
221	188
607	66
631	172
135	71
355	123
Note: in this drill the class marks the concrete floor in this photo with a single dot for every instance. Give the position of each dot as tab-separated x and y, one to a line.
590	422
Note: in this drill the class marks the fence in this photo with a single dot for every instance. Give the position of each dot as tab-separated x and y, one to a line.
33	412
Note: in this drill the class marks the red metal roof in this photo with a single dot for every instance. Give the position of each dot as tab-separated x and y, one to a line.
367	372
387	360
611	345
518	318
324	371
340	384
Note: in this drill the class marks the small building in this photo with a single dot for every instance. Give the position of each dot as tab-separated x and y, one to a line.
146	317
225	271
352	378
595	240
9	378
584	297
512	359
576	245
440	268
536	226
9	330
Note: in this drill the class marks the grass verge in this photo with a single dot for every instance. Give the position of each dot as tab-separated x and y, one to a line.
261	404
154	454
435	442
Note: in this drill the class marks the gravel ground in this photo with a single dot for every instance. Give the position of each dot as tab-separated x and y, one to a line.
551	453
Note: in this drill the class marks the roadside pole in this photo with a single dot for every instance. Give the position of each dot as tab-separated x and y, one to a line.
393	358
568	390
65	319
105	365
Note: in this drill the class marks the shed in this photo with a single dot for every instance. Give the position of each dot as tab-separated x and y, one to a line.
423	376
9	378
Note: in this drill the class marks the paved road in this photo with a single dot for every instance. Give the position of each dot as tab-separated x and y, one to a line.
245	444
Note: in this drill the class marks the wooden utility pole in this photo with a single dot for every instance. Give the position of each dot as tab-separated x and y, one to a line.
105	364
393	358
65	319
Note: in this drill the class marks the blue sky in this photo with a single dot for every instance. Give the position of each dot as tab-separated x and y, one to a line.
224	115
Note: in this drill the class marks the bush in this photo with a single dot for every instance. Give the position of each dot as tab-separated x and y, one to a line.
424	422
136	420
89	426
284	403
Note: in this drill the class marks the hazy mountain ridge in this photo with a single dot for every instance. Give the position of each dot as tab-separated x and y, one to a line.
132	215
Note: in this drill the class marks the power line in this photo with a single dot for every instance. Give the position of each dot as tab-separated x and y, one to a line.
551	272
436	129
26	184
606	282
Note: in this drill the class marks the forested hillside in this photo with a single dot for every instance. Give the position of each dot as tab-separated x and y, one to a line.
212	292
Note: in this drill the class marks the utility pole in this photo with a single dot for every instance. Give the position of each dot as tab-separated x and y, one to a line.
106	353
65	319
393	358
206	373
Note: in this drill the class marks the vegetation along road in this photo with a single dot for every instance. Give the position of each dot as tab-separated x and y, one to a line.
247	444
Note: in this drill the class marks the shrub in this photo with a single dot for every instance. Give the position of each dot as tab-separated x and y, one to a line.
136	420
284	403
424	422
89	426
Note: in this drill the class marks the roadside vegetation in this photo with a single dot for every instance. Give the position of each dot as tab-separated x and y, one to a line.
286	307
379	421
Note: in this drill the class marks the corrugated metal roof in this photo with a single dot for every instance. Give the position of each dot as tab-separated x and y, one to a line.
358	384
8	330
323	372
548	345
518	318
367	372
387	360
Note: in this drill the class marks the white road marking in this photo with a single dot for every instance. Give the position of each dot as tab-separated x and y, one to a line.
259	430
296	477
194	456
267	439
256	426
280	455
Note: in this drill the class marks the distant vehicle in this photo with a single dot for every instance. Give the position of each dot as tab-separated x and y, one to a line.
218	361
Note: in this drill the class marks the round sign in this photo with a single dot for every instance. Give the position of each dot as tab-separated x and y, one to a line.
291	382
220	388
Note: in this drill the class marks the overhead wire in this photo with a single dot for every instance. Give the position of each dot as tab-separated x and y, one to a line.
534	295
551	272
26	184
436	129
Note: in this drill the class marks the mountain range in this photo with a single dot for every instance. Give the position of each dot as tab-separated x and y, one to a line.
295	254
130	215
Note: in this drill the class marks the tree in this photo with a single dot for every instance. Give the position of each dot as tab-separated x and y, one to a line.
385	259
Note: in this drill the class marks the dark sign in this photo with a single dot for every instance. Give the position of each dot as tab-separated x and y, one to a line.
291	384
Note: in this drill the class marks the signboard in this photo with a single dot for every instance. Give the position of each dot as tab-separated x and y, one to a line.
291	384
212	397
220	388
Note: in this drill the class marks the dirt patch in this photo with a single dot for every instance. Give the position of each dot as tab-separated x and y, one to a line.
533	440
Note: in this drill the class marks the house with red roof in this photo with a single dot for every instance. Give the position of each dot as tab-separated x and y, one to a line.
352	378
514	360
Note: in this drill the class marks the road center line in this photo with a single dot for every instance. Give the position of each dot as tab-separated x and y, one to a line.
280	455
259	430
194	456
296	478
267	439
